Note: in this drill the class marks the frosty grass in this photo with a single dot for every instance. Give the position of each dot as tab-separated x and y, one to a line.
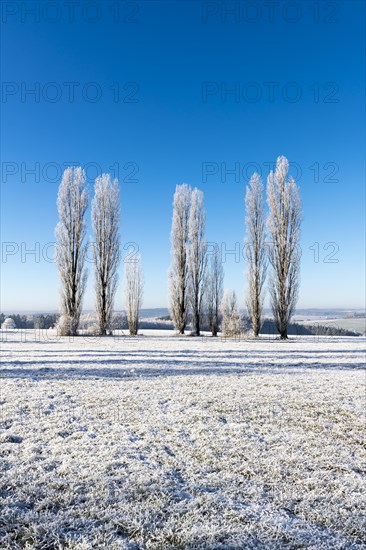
163	442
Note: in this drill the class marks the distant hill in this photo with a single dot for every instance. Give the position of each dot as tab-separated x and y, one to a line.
154	312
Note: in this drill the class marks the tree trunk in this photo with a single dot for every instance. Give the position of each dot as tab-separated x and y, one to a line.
197	327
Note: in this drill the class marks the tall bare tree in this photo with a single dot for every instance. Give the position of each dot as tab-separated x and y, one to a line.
214	290
105	221
255	247
284	228
178	273
134	286
197	258
72	203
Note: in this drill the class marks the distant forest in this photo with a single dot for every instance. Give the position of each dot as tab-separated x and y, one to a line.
49	320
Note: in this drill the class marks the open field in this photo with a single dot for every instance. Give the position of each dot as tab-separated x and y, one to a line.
175	442
358	324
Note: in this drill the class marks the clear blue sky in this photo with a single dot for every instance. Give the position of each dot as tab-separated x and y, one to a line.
161	54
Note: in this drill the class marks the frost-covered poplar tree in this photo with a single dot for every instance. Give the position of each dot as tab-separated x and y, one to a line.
197	258
214	291
232	324
134	285
283	223
178	273
255	251
105	221
72	203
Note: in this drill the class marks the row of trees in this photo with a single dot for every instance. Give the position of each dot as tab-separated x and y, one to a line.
196	274
196	285
43	321
72	204
283	227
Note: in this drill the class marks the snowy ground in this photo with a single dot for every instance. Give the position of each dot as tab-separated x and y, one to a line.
166	442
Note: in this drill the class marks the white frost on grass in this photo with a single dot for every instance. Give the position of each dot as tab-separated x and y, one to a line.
176	442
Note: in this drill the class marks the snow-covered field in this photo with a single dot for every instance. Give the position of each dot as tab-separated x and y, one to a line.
177	442
357	324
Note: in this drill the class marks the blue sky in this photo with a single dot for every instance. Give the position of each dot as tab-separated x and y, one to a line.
167	126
